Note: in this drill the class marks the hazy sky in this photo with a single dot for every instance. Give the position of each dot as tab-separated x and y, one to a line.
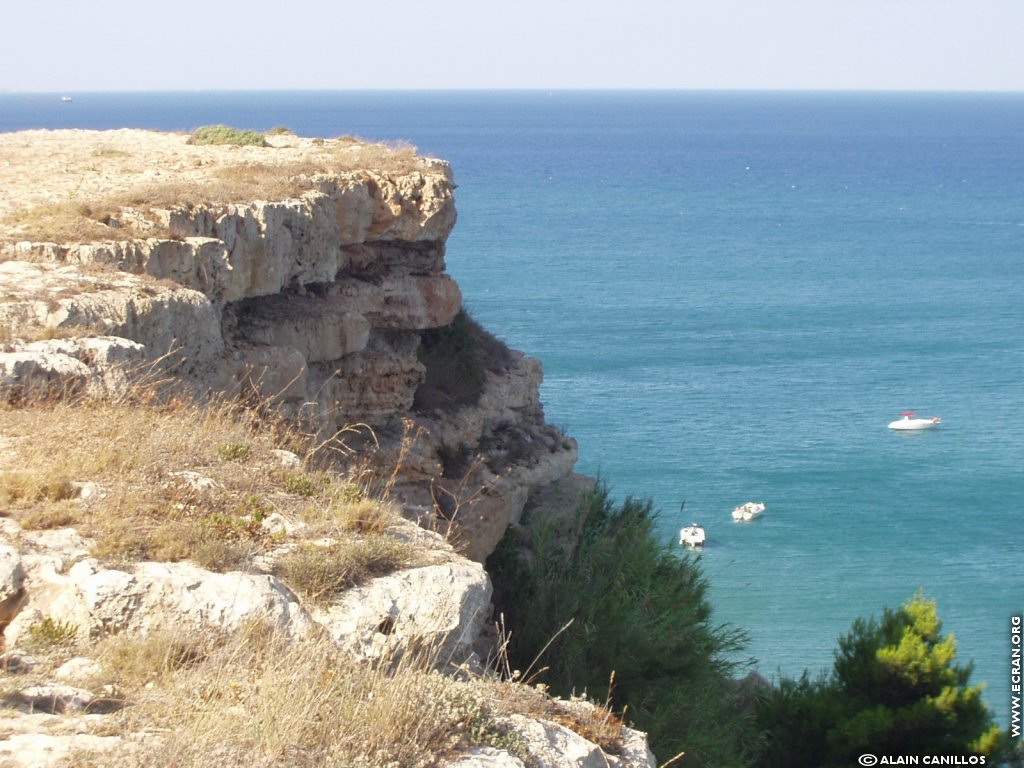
77	45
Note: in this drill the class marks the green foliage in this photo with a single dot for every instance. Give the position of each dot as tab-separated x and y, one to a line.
455	462
234	451
638	609
894	689
302	485
457	357
455	376
222	134
796	718
50	634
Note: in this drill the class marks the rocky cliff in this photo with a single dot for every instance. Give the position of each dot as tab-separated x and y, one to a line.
166	565
306	273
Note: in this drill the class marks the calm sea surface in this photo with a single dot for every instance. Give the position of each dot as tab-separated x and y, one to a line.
732	295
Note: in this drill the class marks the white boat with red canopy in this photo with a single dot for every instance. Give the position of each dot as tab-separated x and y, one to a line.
911	422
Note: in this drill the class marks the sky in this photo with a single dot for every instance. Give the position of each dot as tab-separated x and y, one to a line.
100	45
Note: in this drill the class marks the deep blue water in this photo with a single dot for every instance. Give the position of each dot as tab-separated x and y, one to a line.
732	294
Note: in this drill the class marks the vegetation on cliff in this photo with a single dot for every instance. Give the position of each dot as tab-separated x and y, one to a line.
894	689
638	610
457	358
601	605
101	186
161	477
223	134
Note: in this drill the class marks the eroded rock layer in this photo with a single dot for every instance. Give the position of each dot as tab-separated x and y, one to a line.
317	302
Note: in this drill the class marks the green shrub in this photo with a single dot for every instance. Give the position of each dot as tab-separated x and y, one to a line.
234	451
457	357
222	134
51	633
455	462
455	376
638	609
303	485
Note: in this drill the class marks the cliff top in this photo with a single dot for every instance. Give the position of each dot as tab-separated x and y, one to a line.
81	185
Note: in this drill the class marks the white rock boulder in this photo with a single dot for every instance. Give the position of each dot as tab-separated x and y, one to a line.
153	596
443	607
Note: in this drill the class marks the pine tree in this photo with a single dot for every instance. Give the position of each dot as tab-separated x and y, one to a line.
895	689
904	693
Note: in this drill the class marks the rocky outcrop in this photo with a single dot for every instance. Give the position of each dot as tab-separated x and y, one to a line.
53	578
441	607
554	745
316	302
12	584
549	744
319	303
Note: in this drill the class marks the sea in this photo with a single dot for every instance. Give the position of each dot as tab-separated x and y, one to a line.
733	293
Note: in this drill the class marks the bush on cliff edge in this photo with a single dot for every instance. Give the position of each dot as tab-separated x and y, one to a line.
457	358
638	609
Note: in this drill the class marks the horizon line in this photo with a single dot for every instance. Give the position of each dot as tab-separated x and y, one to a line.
520	89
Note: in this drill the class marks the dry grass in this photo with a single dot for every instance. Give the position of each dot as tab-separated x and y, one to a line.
26	332
64	222
255	700
594	721
132	663
133	451
125	205
345	507
43	483
172	479
321	572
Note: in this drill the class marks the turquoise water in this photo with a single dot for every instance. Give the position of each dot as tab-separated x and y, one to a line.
732	295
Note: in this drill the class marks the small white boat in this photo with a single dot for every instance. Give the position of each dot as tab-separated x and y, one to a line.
746	512
65	99
692	536
910	422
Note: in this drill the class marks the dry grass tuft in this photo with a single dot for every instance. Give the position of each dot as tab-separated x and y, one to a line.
65	222
321	572
343	507
131	663
256	700
51	516
25	331
43	483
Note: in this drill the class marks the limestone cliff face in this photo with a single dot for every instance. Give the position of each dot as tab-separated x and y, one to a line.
317	302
